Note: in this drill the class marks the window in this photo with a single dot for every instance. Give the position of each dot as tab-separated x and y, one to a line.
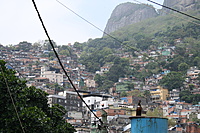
59	100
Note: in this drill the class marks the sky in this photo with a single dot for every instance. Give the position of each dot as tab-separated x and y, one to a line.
19	21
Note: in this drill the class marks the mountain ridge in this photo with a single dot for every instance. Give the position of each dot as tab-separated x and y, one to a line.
129	13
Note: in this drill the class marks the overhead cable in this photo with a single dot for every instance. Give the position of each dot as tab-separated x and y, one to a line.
170	14
56	54
94	25
175	10
8	88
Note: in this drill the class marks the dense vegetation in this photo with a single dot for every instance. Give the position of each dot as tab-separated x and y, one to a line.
25	109
159	32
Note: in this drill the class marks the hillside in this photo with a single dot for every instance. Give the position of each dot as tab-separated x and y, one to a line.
137	40
181	5
129	13
153	26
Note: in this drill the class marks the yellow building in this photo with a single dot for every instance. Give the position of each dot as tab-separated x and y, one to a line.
158	94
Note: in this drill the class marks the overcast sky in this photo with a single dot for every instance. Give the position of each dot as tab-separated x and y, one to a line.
19	20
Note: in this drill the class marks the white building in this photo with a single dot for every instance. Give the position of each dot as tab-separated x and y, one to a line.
51	75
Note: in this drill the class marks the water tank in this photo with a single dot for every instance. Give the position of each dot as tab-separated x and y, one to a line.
142	124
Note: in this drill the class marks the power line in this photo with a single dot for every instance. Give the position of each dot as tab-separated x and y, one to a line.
95	26
56	54
8	88
170	14
175	10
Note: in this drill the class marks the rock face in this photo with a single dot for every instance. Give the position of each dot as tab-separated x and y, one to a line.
181	5
128	13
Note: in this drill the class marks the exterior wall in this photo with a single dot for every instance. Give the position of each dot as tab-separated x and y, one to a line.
159	93
75	121
112	112
149	125
52	76
165	111
75	114
74	103
56	99
90	83
92	100
186	112
131	112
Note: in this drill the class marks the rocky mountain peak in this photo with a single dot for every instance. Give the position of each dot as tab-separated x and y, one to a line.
180	5
128	13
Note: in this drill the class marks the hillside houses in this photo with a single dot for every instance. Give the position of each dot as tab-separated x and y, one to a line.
44	72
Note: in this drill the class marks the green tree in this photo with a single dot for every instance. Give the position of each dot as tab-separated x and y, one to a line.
157	112
107	84
130	86
118	70
172	80
123	94
188	97
191	86
171	122
56	87
147	95
173	65
151	65
196	61
28	105
99	80
181	50
183	67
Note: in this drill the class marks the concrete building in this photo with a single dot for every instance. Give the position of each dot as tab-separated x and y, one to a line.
74	103
52	75
56	99
158	94
174	94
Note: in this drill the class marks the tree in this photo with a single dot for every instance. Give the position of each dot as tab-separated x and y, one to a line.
107	84
191	86
157	112
151	65
123	94
183	67
171	122
196	61
147	95
188	97
99	80
118	69
27	105
56	87
173	65
172	80
130	86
